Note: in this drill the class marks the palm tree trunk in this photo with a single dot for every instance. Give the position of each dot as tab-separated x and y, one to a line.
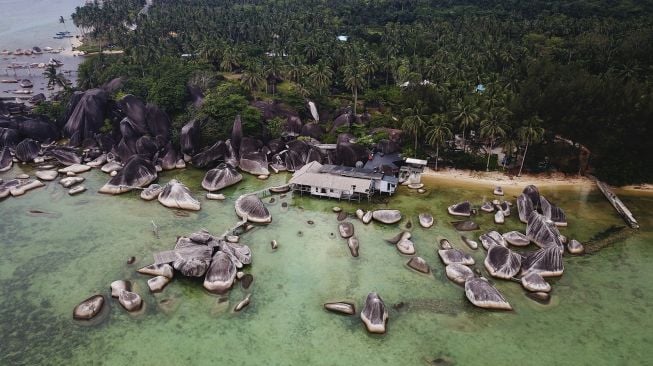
489	153
437	156
522	159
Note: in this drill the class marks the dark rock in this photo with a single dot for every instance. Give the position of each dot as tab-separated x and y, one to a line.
221	274
374	314
419	264
546	261
176	195
466	225
480	293
27	150
460	209
458	273
251	208
346	229
137	172
89	308
87	117
502	262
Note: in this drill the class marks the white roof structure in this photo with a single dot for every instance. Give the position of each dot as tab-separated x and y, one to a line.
414	161
309	175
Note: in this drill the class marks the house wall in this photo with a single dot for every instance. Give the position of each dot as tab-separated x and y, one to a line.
326	192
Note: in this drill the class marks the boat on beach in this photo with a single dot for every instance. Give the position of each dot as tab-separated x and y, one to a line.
47	49
22	91
8	81
6	52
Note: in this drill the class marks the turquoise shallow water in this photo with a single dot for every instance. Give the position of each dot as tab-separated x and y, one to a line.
599	313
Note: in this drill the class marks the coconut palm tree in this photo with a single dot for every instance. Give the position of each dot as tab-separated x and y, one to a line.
467	115
253	77
492	127
528	133
354	78
321	75
414	121
438	131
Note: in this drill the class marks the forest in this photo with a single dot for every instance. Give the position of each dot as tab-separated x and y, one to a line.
508	74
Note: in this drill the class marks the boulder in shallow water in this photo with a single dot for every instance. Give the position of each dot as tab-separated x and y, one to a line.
466	225
157	270
75	168
77	189
70	181
110	167
89	308
27	150
487	207
426	220
47	174
341	307
460	209
222	176
406	246
404	235
499	217
221	274
137	172
502	262
553	212
23	187
120	285
480	293
516	238
491	239
251	208
151	192
524	207
374	314
546	261
458	273
575	247
543	232
255	163
176	195
192	260
353	245
541	297
158	283
367	217
6	160
532	281
470	243
533	195
387	216
131	301
346	229
243	303
419	264
450	256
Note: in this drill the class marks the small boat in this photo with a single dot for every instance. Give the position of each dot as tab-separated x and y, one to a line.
22	91
63	33
34	65
8	81
25	83
47	49
6	53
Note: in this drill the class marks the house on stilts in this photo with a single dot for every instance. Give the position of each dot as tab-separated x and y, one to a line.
341	182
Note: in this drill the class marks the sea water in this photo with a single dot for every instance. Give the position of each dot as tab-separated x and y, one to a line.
28	23
57	250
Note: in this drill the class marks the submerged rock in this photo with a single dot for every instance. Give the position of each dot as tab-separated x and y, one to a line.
353	245
22	187
466	225
374	314
458	273
251	208
419	264
176	195
541	297
221	274
75	168
487	207
387	216
222	176
89	308
243	303
47	174
451	256
534	282
470	243
70	181
460	209
426	220
346	229
445	244
341	307
502	262
77	189
483	295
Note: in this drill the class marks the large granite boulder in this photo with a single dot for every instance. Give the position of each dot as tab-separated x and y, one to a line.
137	172
374	314
387	216
255	163
516	238
191	259
27	150
457	256
190	137
480	293
524	207
222	176
89	308
87	117
251	208
491	239
533	281
460	209
553	212
458	273
502	262
547	262
221	274
211	156
543	232
6	160
176	195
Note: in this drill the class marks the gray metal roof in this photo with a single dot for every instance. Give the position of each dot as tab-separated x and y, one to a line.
347	171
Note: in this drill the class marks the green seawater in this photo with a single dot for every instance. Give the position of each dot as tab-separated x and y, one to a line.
600	312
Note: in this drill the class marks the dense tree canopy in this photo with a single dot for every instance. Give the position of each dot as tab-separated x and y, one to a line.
582	68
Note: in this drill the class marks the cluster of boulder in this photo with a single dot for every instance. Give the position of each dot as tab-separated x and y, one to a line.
374	314
530	268
219	260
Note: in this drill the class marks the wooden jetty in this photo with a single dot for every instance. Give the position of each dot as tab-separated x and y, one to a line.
621	208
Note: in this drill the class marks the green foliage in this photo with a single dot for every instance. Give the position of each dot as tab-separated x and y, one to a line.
275	127
54	111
